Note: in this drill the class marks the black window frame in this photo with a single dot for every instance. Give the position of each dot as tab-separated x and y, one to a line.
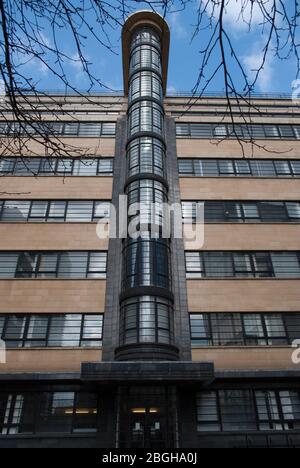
25	341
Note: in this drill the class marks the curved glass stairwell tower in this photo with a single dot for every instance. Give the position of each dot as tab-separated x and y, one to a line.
146	300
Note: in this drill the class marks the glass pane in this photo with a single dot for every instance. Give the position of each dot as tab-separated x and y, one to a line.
14	332
56	412
85	419
293	209
57	211
37	331
92	328
200	332
79	211
15	210
218	264
226	329
207	412
27	265
8	264
85	167
237	410
38	211
65	330
73	265
97	265
286	264
254	331
47	265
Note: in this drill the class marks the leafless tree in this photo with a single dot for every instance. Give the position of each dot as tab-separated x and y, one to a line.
24	44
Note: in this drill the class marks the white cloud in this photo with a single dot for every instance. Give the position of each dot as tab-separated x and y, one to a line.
253	62
171	89
176	26
238	13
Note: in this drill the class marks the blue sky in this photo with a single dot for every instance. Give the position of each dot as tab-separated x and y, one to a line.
184	60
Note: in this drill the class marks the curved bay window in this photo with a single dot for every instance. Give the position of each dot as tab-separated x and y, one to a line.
145	56
146	319
145	116
146	263
146	155
145	83
145	36
150	195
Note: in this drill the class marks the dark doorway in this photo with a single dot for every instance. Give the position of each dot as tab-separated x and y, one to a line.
147	417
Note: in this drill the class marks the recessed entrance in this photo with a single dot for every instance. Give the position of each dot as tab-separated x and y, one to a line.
147	417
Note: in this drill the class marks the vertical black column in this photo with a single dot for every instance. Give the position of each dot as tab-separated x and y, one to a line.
146	300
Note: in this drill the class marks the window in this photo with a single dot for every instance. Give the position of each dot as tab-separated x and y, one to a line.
246	329
38	331
52	264
146	263
286	264
238	167
51	412
194	265
246	131
146	320
56	166
146	155
64	128
53	211
242	264
15	210
200	330
245	410
145	116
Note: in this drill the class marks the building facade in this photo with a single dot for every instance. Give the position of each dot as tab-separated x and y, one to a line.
154	341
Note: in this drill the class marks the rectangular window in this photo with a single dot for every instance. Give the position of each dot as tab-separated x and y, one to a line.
194	265
15	210
207	412
73	265
237	410
226	329
38	211
79	211
286	264
57	211
200	330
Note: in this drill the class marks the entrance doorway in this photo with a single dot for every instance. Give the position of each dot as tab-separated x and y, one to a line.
147	417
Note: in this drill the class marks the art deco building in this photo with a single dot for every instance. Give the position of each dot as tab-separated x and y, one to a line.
151	341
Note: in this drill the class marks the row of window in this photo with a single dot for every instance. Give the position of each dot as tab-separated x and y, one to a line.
56	166
248	410
57	128
53	210
242	264
48	412
239	167
245	131
53	264
55	330
236	211
235	329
